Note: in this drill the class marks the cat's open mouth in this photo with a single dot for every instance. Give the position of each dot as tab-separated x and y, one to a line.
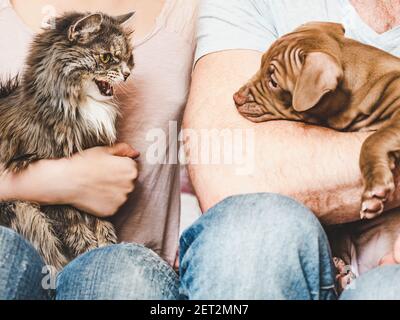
105	88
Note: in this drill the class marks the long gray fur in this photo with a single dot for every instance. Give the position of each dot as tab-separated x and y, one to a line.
47	113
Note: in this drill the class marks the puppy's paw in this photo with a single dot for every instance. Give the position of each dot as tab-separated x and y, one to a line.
374	198
372	208
344	275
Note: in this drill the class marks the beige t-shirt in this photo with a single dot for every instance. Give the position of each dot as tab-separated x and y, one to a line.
155	95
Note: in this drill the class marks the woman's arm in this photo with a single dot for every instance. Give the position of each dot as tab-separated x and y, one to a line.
97	181
317	166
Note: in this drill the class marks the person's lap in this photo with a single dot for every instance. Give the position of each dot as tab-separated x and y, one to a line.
124	271
20	269
265	246
258	246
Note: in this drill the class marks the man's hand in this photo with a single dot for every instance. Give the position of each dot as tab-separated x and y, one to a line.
317	166
392	257
97	181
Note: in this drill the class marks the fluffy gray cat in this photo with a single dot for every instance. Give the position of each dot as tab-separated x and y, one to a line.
63	104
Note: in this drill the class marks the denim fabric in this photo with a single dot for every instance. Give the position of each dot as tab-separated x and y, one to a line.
378	284
20	269
125	271
259	246
118	272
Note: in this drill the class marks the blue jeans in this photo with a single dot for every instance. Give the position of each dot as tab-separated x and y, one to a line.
118	272
259	246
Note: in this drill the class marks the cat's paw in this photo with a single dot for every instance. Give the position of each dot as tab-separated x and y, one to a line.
105	233
375	196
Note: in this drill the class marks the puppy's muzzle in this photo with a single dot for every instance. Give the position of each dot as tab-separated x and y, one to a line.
247	105
242	97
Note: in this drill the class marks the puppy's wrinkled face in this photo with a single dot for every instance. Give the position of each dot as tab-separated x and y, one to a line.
296	73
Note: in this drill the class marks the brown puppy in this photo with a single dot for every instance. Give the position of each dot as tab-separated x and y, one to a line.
318	76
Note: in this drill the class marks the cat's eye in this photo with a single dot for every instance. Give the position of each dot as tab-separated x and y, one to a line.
105	57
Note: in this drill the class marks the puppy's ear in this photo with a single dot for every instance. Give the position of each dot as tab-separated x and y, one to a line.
319	76
84	28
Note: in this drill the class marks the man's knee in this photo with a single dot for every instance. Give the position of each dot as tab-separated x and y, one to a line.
378	284
257	218
265	242
125	271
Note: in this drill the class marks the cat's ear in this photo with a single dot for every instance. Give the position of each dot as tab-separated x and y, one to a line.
85	27
124	18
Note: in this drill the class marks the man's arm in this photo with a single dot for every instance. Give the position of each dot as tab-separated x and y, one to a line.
317	166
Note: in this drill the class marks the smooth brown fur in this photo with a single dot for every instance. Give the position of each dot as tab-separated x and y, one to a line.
316	75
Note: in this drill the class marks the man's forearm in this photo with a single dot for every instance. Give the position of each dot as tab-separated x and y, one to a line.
317	166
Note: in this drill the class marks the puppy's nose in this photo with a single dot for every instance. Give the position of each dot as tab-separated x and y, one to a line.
241	97
126	74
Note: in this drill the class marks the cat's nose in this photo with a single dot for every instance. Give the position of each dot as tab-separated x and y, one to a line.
126	74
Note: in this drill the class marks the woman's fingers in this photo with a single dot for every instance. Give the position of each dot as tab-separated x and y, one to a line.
96	192
123	150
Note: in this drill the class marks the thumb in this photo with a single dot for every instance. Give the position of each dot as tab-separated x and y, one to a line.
123	150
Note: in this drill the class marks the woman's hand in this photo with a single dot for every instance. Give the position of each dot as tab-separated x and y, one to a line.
103	179
97	181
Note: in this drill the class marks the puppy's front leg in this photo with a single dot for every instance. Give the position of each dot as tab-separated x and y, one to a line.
377	160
